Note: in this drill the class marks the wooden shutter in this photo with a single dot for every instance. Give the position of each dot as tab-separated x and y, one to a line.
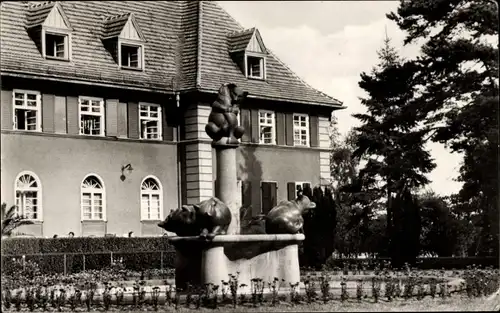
247	125
167	129
111	117
268	191
292	193
255	125
289	129
122	120
72	115
60	122
48	113
246	193
133	120
314	131
280	128
6	101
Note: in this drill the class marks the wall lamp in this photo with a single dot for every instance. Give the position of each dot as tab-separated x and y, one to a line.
127	168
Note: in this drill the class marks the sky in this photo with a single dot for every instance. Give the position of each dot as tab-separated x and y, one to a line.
329	44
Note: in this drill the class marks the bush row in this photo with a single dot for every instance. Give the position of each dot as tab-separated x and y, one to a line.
447	263
27	246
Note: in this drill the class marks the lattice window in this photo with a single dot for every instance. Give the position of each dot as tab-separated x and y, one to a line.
28	196
151	200
93	199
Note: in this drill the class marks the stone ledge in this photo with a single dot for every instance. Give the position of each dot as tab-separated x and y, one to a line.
242	238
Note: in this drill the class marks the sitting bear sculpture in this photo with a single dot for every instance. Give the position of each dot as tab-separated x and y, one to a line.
222	123
286	217
206	219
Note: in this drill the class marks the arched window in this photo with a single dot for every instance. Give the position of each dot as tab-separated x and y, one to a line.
28	196
93	200
151	199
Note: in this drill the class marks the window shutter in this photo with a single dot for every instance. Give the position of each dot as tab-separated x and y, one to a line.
280	128
122	120
314	130
7	108
255	125
292	193
111	117
167	128
72	115
246	193
48	113
289	129
268	191
60	115
133	120
247	125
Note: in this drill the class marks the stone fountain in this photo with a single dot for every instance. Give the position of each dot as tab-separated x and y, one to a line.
201	259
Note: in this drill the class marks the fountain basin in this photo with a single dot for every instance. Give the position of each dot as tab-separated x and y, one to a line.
200	261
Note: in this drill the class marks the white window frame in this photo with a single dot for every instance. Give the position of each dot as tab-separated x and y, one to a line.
101	114
158	119
38	189
25	106
140	54
56	32
150	193
306	128
273	125
262	63
92	191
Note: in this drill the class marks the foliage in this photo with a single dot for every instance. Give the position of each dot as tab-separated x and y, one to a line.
457	78
11	220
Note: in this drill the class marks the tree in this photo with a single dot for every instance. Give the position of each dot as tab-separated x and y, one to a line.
393	141
11	220
458	98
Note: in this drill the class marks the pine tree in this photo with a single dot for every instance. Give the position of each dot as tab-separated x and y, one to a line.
458	77
393	140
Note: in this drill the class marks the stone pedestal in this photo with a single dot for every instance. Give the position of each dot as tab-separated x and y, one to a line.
252	256
227	189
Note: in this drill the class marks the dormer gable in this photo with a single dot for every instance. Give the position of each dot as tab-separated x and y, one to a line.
124	39
50	29
247	49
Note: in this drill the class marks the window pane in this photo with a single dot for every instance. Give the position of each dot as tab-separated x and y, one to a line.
91	125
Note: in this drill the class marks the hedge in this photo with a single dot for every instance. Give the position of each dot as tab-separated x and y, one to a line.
70	255
437	263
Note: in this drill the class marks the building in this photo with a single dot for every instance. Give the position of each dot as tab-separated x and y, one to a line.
104	106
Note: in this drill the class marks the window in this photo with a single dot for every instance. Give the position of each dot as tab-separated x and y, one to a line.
151	200
93	199
300	186
28	196
268	196
150	121
56	46
300	130
91	116
131	56
267	127
255	67
27	110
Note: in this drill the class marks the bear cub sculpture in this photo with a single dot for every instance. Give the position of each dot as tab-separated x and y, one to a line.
286	217
223	119
206	219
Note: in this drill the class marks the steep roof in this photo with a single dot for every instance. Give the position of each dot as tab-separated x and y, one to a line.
188	45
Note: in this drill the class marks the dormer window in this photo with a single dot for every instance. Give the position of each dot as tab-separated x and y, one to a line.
125	41
255	67
130	56
56	46
248	51
50	29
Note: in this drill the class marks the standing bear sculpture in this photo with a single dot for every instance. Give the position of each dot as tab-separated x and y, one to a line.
286	217
207	219
222	126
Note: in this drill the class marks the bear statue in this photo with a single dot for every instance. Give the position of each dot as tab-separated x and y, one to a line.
207	219
222	123
286	217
